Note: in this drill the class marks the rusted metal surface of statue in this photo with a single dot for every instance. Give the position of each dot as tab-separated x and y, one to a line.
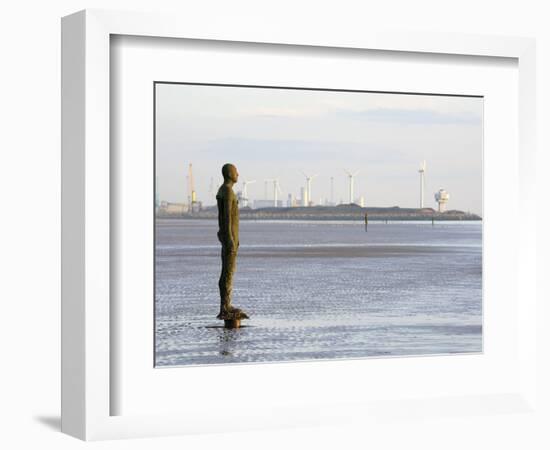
228	235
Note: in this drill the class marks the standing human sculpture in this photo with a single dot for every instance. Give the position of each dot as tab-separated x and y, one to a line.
228	235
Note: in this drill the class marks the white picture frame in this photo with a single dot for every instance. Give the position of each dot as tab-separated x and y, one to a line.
87	385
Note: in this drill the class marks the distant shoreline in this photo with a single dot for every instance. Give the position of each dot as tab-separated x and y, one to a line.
334	213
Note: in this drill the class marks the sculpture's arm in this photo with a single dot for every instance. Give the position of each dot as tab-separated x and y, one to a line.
227	201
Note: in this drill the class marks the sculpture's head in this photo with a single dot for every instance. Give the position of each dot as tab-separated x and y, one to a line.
229	172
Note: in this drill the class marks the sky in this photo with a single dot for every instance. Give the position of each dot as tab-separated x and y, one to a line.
281	133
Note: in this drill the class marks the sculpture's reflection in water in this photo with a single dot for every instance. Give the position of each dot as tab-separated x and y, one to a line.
227	339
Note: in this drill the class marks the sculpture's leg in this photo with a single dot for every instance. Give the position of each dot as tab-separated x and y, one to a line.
231	260
222	283
226	279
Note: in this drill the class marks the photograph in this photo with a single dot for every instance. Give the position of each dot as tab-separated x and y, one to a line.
300	224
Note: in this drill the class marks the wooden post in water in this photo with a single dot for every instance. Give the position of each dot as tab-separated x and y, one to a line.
232	323
366	221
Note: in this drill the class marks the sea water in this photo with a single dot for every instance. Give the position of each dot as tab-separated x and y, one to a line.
319	290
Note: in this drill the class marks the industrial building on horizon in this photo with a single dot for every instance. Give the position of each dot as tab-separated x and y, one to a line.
194	205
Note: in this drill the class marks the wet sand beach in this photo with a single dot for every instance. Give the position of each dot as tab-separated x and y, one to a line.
319	290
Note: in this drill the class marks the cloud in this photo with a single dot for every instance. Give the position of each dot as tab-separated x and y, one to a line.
296	150
412	116
285	112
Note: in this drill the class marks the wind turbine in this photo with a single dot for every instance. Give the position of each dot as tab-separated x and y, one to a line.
276	190
308	186
245	191
421	172
351	177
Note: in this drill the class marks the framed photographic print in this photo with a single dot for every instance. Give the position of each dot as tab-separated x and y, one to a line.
288	223
342	254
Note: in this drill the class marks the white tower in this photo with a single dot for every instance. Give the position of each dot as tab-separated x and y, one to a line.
276	190
308	187
245	191
303	196
441	197
351	179
421	171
